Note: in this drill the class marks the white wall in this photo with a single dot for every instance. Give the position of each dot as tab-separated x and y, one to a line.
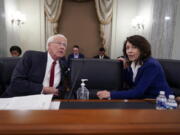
32	31
123	13
145	10
3	32
176	47
12	31
30	35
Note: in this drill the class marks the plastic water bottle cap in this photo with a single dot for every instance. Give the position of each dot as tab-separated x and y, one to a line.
83	84
162	92
171	96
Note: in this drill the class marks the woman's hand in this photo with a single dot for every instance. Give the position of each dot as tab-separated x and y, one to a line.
125	62
103	94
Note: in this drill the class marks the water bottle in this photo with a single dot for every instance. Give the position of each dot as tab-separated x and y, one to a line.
171	102
83	92
161	101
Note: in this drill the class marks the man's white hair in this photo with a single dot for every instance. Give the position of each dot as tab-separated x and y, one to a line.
51	39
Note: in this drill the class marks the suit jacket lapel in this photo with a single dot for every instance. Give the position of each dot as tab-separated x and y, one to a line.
63	69
42	64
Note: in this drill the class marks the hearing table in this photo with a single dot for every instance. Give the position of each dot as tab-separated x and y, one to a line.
91	121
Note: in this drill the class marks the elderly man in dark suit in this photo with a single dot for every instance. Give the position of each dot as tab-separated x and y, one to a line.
40	72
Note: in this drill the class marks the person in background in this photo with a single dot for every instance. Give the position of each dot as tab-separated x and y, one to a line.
101	54
142	73
15	51
75	54
40	72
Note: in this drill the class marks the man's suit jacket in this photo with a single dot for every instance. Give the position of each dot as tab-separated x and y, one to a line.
28	75
97	57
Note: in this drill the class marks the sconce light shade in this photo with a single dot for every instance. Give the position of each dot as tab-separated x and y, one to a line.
138	23
18	18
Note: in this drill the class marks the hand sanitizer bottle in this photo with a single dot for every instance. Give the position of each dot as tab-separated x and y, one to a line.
83	92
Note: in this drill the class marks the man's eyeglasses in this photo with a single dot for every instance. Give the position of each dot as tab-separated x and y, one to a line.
60	43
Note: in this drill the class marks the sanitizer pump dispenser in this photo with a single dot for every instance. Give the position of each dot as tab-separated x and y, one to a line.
83	92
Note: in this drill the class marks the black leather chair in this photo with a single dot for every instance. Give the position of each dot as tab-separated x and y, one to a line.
101	74
7	65
172	72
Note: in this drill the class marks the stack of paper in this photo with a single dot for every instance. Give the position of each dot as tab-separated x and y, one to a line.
55	105
33	102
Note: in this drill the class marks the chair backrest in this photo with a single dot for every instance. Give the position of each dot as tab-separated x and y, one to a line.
101	74
7	65
172	71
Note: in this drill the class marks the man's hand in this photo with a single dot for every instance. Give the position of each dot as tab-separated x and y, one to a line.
50	90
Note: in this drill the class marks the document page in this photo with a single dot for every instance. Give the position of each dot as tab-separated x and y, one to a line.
55	105
4	102
33	102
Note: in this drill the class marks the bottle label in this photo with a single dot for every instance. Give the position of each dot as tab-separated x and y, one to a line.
171	105
160	105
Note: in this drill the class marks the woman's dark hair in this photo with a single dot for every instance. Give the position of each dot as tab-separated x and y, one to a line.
16	48
142	44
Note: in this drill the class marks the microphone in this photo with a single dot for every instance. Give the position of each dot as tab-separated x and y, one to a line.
75	79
